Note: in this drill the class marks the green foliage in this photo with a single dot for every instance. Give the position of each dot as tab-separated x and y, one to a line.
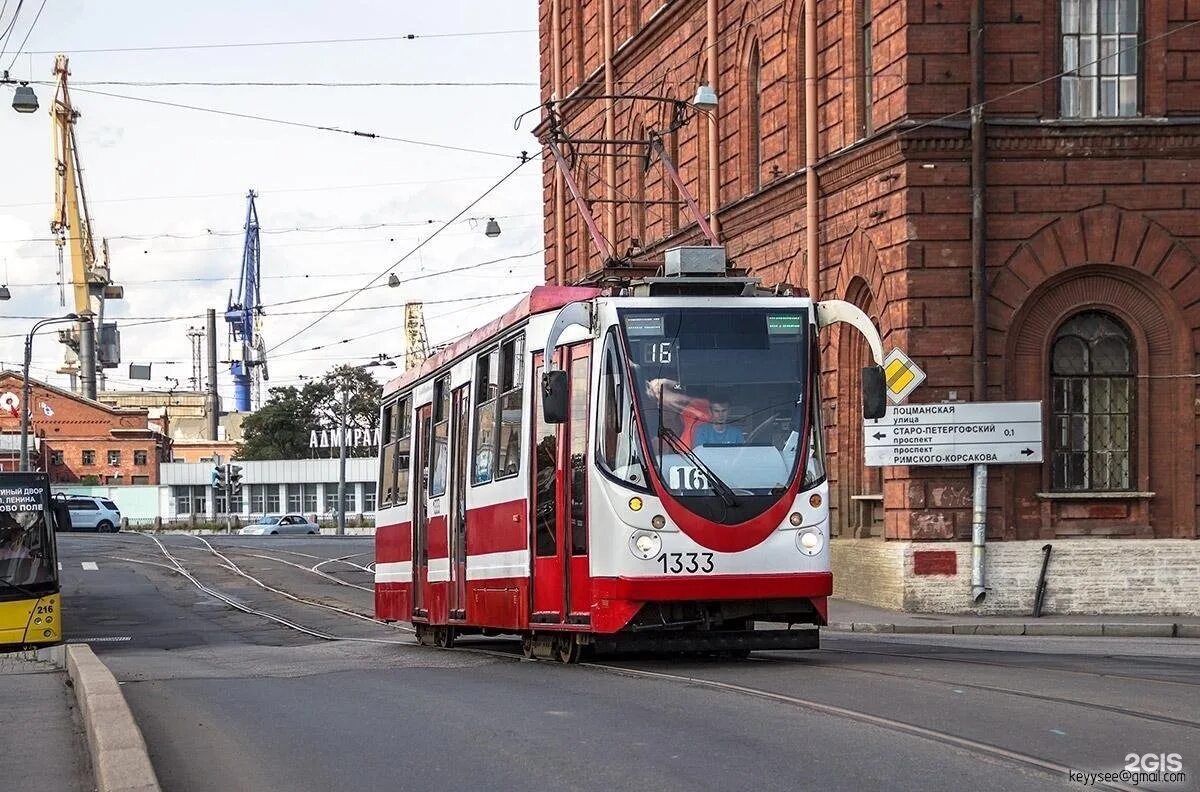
281	428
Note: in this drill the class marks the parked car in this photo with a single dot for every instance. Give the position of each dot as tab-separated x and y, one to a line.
281	524
93	514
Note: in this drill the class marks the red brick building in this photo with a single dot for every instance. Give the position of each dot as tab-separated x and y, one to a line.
1090	238
80	441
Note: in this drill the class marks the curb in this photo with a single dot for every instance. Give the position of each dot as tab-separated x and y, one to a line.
1076	630
119	757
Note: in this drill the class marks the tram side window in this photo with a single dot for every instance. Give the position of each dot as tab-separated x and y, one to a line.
387	458
402	431
439	462
499	400
512	381
487	388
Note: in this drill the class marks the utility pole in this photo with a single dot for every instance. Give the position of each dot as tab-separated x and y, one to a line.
213	399
195	336
341	512
87	355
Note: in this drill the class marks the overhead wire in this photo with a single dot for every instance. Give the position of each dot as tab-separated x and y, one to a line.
25	40
12	23
310	84
289	43
275	231
139	321
287	122
373	333
278	191
406	256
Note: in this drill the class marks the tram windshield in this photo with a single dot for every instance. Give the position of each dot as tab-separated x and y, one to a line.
721	401
26	557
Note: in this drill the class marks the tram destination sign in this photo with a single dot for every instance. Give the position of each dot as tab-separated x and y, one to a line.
955	433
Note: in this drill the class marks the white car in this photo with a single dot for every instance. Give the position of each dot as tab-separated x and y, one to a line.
93	514
281	524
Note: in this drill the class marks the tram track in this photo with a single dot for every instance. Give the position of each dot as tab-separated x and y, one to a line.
177	566
1054	769
996	752
1010	666
1166	719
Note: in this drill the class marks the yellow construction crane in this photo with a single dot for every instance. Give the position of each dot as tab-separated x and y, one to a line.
93	345
416	346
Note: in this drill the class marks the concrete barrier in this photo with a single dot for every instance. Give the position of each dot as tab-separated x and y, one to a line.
120	761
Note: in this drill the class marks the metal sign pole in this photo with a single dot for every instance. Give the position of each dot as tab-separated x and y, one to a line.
978	532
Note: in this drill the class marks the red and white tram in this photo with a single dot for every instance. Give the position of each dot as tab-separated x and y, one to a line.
659	485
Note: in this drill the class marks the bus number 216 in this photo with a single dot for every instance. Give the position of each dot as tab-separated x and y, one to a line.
676	563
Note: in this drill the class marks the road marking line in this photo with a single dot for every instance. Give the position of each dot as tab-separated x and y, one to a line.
106	639
89	566
60	566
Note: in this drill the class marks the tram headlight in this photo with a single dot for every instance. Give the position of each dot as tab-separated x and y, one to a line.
810	542
645	545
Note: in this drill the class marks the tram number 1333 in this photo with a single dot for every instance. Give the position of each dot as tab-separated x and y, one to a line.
678	563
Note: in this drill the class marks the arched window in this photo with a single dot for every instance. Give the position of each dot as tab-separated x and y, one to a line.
638	165
753	119
1092	385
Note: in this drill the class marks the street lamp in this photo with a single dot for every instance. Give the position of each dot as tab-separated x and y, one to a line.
25	394
24	99
493	228
705	99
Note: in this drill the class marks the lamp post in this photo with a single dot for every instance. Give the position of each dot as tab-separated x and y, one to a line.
25	395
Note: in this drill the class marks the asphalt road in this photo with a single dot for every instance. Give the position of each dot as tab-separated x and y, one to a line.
299	690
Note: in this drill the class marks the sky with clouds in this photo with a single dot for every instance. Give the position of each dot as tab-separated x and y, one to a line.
167	186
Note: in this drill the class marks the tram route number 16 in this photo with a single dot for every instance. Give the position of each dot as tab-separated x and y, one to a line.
677	563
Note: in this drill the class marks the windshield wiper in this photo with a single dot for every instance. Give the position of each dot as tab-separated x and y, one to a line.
20	589
720	487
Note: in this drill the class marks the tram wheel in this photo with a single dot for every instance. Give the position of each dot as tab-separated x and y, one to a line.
443	637
527	646
425	634
568	650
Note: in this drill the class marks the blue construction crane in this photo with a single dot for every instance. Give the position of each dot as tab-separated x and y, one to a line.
247	351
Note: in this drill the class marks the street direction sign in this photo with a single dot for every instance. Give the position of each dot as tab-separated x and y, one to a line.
902	375
955	433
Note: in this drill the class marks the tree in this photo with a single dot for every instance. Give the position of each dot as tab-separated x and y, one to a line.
282	427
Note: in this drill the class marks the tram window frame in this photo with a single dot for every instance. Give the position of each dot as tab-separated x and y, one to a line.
512	388
402	445
441	422
487	397
387	451
616	397
500	382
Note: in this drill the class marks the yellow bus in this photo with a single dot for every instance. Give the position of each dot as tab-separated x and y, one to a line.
30	608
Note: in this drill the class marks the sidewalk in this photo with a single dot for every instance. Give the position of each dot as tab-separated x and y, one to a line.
847	616
44	743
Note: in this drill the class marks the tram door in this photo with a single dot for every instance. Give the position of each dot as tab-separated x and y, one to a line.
460	423
561	577
420	554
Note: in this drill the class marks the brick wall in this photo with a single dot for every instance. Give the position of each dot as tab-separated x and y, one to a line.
1079	215
68	424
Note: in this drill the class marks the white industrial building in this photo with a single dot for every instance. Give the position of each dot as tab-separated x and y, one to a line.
305	486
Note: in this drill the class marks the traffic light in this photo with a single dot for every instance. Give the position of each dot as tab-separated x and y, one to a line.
234	479
218	477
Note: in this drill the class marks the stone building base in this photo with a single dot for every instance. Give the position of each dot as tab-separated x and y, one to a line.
1086	576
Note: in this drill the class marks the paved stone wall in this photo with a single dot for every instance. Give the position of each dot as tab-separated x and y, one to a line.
1085	576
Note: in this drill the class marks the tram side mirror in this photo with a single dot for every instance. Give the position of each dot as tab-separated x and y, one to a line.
554	397
874	392
62	515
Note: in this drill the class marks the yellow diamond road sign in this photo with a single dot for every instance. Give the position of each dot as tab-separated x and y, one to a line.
903	375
